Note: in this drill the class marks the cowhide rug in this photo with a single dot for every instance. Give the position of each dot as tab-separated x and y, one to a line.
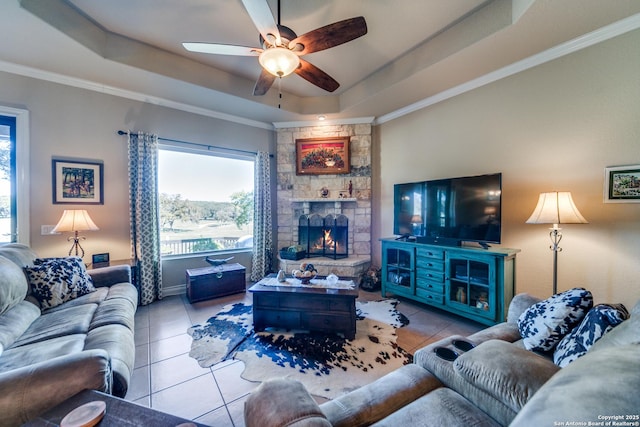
327	364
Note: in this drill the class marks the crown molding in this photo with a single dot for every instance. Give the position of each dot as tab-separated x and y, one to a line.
597	36
49	76
327	122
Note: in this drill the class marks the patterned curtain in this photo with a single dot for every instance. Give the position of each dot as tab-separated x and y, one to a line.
262	236
144	214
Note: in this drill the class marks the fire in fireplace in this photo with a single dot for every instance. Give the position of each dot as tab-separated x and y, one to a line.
324	237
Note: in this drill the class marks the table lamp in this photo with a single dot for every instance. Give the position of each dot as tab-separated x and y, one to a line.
556	208
75	220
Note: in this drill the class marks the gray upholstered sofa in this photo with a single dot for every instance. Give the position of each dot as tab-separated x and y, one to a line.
497	383
48	355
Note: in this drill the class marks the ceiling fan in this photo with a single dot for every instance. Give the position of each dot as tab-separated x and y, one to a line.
282	48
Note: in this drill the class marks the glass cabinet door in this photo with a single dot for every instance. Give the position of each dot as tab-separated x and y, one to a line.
399	269
471	285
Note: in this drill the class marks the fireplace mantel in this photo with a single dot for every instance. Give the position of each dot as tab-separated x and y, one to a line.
337	203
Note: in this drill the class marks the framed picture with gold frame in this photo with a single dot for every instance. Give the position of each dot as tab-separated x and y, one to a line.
322	156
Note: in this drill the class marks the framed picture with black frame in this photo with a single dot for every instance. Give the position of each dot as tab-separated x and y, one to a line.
77	182
622	184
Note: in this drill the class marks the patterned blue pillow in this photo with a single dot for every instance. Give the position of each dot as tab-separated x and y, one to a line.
598	321
545	323
57	280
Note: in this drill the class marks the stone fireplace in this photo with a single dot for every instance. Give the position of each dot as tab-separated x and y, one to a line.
309	205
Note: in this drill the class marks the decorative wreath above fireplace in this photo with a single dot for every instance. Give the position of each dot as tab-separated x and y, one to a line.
322	156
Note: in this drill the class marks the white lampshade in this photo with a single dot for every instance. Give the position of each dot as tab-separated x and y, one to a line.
279	61
75	220
556	207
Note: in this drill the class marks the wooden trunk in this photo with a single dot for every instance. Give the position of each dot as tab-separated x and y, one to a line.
212	282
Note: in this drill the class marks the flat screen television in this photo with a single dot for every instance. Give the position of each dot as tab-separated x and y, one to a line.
450	211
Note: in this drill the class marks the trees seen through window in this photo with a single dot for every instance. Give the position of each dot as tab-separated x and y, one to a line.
206	202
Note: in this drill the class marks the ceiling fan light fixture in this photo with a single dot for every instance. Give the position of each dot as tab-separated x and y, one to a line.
279	61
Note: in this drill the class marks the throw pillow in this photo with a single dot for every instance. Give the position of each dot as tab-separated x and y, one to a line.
598	321
545	323
57	280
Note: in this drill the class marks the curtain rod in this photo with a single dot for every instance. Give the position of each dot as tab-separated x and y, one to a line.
123	132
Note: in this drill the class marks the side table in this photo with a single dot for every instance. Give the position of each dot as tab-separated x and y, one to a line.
119	413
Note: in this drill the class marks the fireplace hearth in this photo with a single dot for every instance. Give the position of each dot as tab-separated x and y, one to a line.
324	236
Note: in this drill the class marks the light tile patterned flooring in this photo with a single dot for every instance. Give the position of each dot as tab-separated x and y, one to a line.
167	379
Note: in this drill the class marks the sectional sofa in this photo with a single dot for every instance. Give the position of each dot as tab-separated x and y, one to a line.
497	382
63	329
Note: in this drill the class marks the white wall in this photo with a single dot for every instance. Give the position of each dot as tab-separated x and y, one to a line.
554	127
76	123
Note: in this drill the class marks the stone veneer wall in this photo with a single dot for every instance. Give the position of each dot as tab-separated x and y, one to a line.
292	186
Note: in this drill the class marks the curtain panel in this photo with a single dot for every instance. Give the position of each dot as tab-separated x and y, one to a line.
262	233
144	214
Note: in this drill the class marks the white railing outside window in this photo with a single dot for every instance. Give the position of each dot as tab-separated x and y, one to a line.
206	201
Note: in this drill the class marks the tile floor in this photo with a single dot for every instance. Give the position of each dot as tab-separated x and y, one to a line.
167	379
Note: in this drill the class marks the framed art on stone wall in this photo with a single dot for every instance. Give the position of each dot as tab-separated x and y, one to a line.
322	156
622	184
77	182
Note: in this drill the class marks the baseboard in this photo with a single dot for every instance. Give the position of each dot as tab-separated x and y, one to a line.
174	290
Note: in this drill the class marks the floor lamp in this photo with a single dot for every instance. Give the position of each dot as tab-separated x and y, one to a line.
75	220
556	208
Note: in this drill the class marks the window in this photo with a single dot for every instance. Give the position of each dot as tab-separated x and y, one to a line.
15	128
206	201
8	210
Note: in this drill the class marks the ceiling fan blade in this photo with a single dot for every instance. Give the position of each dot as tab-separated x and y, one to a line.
262	18
265	81
316	76
329	36
222	49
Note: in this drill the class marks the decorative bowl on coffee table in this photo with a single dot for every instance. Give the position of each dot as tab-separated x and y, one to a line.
305	280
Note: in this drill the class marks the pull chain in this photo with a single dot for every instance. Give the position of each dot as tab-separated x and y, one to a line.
280	77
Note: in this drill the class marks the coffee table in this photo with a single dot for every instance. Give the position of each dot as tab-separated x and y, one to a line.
313	309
